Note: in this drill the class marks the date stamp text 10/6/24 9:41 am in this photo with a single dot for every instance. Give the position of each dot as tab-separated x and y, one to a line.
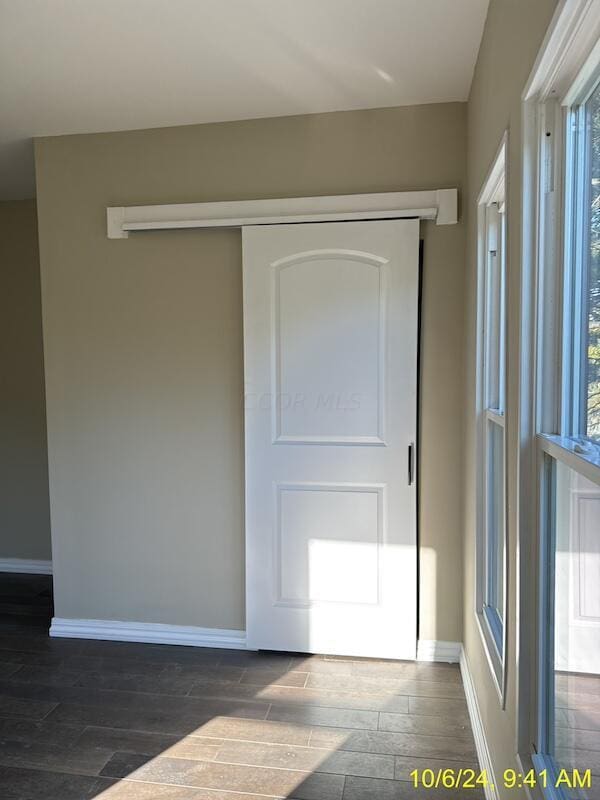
467	778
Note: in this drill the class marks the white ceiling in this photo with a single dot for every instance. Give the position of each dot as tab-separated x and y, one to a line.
77	66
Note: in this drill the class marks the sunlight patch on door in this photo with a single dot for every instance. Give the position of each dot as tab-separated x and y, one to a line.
327	545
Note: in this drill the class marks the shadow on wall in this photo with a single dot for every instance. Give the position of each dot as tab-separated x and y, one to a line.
24	503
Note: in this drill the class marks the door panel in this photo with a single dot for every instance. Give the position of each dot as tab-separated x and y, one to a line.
325	364
330	338
322	525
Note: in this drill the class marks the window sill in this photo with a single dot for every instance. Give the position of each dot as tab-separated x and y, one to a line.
581	455
495	628
545	763
495	662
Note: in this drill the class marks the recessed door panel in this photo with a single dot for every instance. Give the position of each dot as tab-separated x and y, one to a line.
328	541
329	318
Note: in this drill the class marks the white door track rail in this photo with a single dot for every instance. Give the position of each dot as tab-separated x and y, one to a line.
440	205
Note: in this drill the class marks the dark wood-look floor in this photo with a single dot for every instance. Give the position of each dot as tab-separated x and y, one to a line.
577	725
116	721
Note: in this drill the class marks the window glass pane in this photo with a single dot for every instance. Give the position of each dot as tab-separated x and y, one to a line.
574	702
495	530
493	326
592	288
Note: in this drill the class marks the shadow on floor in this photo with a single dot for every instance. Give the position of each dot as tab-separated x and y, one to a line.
118	721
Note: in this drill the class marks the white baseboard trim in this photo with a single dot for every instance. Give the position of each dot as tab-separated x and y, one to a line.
434	650
483	753
26	566
147	632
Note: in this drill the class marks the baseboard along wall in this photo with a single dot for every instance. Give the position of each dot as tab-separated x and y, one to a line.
436	650
147	632
26	566
481	745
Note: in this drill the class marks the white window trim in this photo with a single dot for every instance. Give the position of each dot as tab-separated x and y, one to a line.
568	57
495	183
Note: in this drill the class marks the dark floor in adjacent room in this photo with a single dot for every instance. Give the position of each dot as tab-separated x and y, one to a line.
117	721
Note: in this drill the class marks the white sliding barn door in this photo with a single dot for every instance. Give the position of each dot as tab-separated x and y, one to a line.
330	330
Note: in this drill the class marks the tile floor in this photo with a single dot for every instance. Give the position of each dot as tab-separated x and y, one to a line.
577	724
117	721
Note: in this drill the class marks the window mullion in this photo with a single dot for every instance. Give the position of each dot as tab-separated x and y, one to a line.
578	253
502	320
550	358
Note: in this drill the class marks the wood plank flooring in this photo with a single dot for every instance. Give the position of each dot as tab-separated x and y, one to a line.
117	721
577	725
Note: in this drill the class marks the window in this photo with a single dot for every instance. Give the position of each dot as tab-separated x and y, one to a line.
586	121
558	533
568	440
491	537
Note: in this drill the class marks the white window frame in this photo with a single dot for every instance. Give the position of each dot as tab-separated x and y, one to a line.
565	68
493	193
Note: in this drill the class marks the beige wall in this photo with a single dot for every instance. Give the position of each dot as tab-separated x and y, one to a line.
24	511
143	348
513	34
